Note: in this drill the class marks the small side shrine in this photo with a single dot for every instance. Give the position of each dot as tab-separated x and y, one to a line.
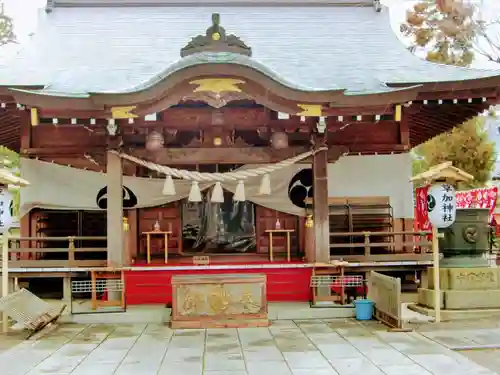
458	285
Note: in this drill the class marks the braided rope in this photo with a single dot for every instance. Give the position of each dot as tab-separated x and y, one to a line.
220	177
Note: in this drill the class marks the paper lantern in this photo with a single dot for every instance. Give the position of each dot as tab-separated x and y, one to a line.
441	205
154	141
279	140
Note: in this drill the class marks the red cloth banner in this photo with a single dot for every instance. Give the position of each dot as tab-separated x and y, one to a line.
475	198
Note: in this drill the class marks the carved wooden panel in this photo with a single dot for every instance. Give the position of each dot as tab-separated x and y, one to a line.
368	133
213	301
45	135
169	218
266	219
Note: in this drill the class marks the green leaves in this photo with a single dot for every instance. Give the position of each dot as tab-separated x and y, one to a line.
466	146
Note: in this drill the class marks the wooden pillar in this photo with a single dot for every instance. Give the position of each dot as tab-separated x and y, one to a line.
133	232
404	128
320	207
116	246
25	222
25	231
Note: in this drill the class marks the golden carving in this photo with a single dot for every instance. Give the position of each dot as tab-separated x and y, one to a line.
249	305
192	303
123	112
219	299
310	110
217	85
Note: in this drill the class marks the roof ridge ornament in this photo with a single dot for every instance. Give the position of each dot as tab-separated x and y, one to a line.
216	40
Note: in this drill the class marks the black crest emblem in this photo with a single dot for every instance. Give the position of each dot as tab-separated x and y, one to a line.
301	187
431	203
128	196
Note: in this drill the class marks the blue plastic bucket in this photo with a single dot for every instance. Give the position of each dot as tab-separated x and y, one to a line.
364	309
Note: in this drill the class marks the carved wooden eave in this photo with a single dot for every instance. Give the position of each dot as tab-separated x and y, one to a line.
469	84
181	85
444	171
8	178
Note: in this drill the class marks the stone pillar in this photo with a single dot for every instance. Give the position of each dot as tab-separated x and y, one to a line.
67	289
320	208
116	245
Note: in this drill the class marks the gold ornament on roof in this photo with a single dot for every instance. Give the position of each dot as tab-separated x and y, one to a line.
216	40
217	85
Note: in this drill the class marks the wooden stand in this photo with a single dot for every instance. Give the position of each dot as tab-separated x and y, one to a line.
287	232
148	243
321	278
117	282
224	301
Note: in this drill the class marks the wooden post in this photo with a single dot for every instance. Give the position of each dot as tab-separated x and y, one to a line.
320	207
5	277
115	210
367	244
435	271
71	251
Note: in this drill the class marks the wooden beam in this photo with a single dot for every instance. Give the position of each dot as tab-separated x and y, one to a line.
237	155
179	116
62	151
192	155
488	92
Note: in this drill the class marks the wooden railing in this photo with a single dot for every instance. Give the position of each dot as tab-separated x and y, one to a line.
37	255
417	247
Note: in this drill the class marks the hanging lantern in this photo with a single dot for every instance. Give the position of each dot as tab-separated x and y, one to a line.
279	140
154	141
441	205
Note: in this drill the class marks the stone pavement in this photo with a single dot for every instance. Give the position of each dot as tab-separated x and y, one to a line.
327	347
478	340
464	336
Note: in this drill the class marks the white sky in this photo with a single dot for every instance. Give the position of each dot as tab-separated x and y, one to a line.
25	13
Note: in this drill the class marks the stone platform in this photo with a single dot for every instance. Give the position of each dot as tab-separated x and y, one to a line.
464	292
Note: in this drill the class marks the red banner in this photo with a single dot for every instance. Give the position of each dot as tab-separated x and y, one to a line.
475	198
